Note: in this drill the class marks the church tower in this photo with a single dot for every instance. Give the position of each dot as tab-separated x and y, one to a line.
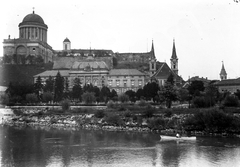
66	44
174	59
152	61
223	74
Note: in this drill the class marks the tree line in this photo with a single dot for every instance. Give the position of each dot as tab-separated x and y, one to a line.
57	89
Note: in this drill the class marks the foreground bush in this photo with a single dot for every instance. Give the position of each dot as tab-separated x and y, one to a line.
65	105
212	120
88	97
100	114
231	101
31	98
113	119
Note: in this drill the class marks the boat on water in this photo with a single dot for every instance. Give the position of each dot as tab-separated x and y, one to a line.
164	137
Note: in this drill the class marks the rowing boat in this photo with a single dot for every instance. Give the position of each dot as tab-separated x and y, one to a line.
164	137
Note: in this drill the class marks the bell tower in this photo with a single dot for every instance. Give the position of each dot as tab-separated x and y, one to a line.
223	74
66	44
174	59
152	62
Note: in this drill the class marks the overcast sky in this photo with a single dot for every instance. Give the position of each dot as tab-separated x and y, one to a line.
206	32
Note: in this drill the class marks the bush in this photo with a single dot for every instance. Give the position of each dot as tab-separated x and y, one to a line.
31	98
156	123
110	104
123	98
47	96
114	120
231	101
199	102
168	113
88	97
148	112
65	105
142	103
4	99
100	114
127	114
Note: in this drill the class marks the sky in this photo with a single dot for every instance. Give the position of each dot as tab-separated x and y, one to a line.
206	32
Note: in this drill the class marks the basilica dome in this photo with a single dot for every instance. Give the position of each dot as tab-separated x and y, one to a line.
33	19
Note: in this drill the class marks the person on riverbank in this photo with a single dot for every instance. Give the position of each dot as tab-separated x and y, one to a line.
178	135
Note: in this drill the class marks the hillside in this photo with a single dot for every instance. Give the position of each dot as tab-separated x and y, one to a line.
20	73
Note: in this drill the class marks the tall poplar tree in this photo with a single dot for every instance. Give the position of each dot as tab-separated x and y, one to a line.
58	87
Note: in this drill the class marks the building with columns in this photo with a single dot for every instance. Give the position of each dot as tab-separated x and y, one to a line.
31	47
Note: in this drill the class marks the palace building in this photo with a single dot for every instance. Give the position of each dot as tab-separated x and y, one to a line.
91	66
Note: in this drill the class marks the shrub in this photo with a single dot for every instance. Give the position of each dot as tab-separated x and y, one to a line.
31	98
123	98
114	120
110	104
65	105
199	102
148	112
88	97
4	99
100	114
168	113
156	123
47	96
127	114
142	103
231	101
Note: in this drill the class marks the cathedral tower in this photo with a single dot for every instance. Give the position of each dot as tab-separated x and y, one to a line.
66	44
223	74
152	61
174	59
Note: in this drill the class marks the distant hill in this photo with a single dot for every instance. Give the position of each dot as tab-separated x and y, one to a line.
21	73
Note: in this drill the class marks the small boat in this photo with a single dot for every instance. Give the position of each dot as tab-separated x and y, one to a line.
164	137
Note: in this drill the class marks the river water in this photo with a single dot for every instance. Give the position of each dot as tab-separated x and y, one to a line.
37	147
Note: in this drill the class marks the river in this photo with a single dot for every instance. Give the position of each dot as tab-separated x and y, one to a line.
40	147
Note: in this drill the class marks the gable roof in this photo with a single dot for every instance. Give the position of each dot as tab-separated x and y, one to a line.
228	82
163	72
122	72
53	73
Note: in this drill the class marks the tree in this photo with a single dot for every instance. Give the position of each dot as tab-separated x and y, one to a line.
88	97
183	94
49	85
113	94
123	98
131	94
104	94
58	87
195	87
4	99
88	88
169	92
38	87
211	93
140	93
77	89
151	90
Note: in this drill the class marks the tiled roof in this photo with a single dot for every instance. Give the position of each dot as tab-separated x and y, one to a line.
53	73
91	64
125	72
163	72
228	82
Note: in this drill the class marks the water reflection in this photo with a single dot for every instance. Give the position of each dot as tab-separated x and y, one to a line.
52	147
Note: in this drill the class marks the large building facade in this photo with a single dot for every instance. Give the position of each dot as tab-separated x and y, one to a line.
31	46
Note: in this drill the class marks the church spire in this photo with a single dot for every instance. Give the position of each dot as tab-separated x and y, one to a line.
152	52
223	74
174	59
174	54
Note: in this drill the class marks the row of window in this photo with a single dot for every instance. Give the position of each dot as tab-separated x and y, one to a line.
125	82
125	76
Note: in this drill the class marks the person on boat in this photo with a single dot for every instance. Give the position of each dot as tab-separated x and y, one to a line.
178	135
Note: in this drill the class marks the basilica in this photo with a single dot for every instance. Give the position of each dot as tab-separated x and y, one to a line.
91	66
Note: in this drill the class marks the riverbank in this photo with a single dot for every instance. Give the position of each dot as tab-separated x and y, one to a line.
151	120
